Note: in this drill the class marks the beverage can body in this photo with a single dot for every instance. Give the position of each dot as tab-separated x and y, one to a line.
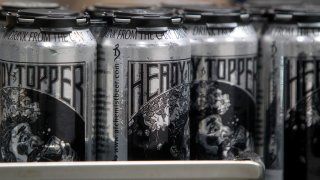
222	114
148	76
293	97
47	95
273	49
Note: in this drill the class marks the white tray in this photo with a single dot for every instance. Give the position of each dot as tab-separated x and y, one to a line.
134	170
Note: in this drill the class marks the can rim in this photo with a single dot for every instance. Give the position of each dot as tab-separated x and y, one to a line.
146	18
48	18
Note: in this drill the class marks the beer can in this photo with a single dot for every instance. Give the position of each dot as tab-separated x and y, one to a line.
47	60
148	73
291	64
101	16
224	54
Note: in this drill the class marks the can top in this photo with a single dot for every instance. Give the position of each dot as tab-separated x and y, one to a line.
260	8
53	20
287	9
262	11
178	6
198	10
294	14
17	5
102	6
270	4
131	13
97	10
181	4
307	17
158	20
103	13
13	7
216	15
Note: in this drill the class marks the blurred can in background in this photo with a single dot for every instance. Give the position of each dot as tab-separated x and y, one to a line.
273	48
47	60
224	54
291	68
148	55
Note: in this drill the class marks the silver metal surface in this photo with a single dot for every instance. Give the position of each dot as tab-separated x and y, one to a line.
223	89
275	44
23	49
291	72
144	170
98	30
125	51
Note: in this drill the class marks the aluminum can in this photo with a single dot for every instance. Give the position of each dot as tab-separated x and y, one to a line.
47	84
224	54
269	86
101	16
291	66
148	73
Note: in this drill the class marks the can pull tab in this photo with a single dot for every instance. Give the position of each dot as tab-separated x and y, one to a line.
283	17
176	21
222	25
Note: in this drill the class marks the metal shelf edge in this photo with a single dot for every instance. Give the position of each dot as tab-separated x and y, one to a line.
143	170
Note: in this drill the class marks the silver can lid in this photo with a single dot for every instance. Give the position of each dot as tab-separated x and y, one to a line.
146	18
50	19
216	15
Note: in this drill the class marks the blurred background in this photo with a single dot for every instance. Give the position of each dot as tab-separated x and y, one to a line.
81	4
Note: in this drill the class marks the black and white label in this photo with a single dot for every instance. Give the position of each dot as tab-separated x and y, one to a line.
158	109
301	107
222	110
42	111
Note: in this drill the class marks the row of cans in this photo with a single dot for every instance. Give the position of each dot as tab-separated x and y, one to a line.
288	89
121	83
178	83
